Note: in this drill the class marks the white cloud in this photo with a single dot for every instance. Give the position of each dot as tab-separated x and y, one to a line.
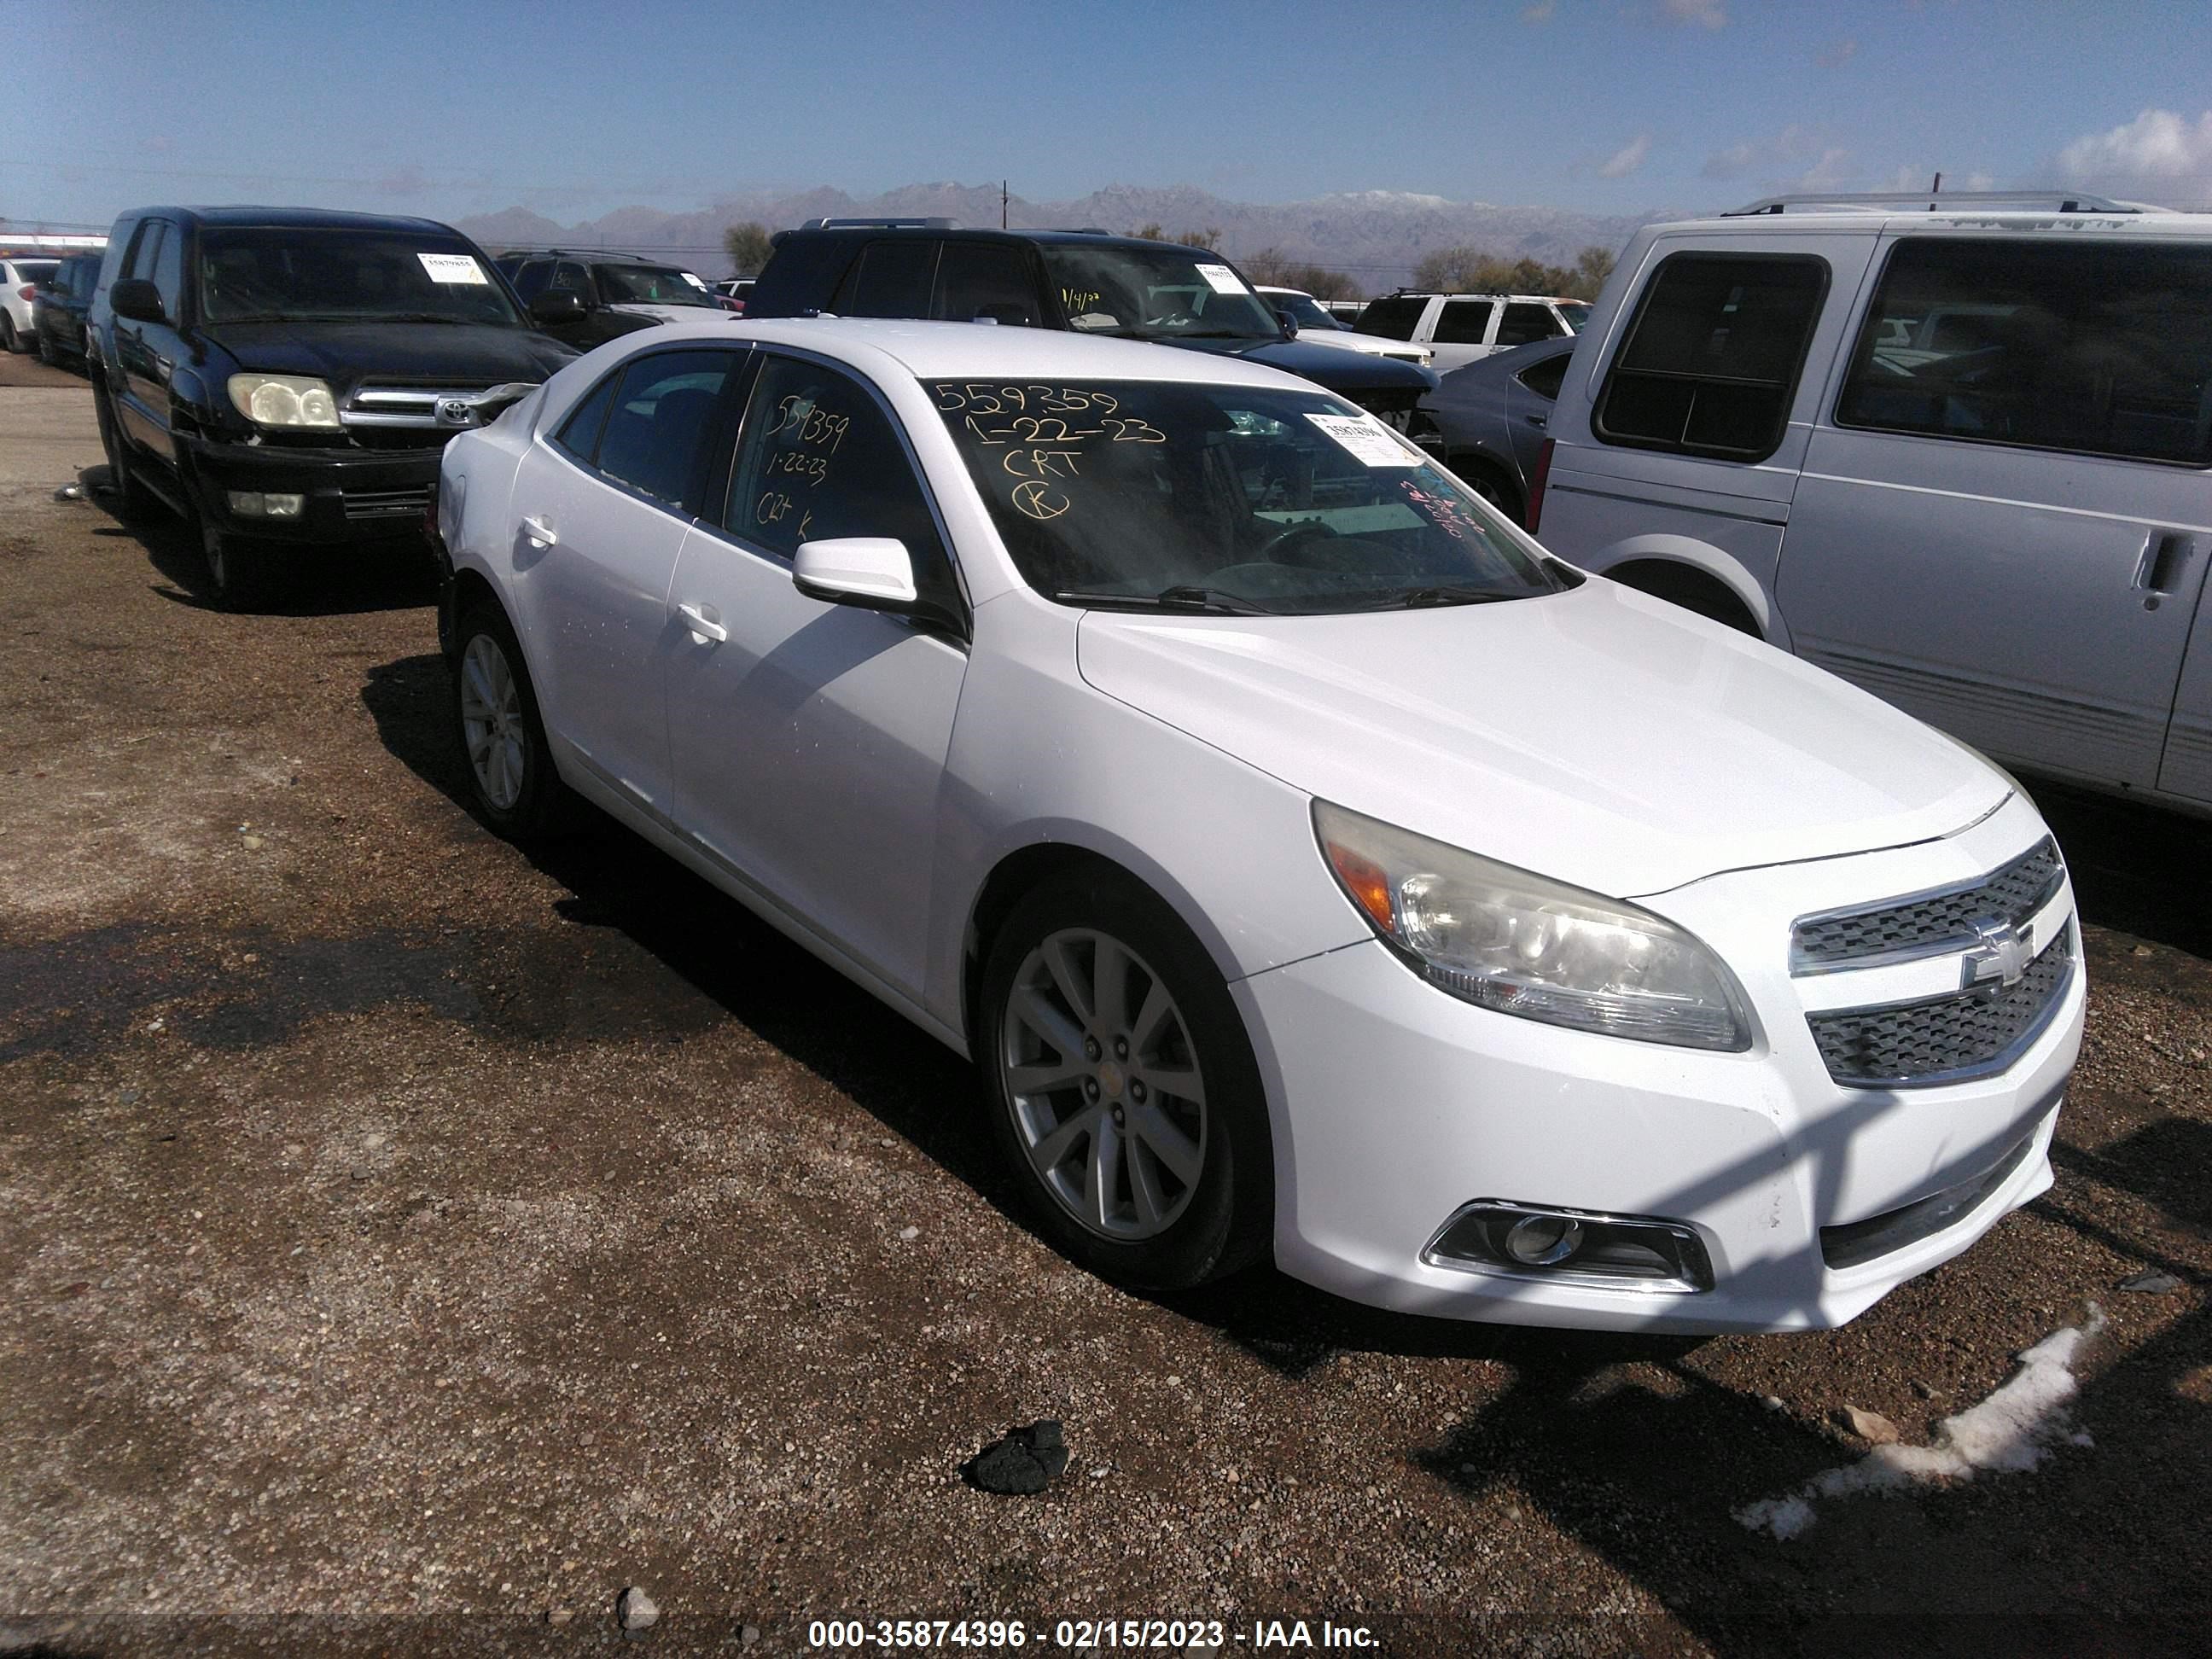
1793	144
1828	172
1695	14
1539	13
1629	157
2158	154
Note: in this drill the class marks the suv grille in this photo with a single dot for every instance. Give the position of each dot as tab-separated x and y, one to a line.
1944	1039
1927	926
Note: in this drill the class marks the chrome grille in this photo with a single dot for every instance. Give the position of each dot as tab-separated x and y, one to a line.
387	503
1944	1039
1930	925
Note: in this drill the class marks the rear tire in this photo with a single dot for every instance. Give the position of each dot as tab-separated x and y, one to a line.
1487	482
133	502
1123	1092
9	339
512	780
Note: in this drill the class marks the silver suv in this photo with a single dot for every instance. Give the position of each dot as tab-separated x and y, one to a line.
1953	449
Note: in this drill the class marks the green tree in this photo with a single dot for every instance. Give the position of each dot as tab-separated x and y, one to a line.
747	246
1208	238
1592	266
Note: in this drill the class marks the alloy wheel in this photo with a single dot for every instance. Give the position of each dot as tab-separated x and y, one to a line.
1103	1077
492	727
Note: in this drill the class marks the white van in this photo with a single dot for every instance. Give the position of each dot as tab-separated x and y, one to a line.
1953	449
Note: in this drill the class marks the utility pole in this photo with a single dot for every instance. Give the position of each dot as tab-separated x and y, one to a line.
1003	183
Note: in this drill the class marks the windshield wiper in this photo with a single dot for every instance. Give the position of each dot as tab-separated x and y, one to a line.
1417	598
1184	596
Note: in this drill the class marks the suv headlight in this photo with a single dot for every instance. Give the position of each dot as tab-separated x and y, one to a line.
1513	941
283	400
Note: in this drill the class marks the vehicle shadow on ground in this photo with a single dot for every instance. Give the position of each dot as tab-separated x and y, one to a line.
2136	868
1623	1446
394	576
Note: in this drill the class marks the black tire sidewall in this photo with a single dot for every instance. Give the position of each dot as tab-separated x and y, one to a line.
1228	1223
536	811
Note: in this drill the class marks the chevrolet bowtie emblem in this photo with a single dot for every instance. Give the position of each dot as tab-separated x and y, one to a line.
1999	957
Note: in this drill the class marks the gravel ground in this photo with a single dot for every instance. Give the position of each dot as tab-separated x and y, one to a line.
408	1243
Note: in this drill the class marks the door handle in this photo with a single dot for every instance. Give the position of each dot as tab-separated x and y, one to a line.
539	531
701	624
1537	421
2164	561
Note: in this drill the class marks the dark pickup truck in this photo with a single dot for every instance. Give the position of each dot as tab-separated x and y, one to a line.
1085	281
286	377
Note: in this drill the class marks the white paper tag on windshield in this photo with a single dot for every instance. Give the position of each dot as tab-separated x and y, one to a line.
1222	280
452	268
696	282
1370	442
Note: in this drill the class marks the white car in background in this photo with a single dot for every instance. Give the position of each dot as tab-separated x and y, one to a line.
1460	328
1311	864
1316	326
19	280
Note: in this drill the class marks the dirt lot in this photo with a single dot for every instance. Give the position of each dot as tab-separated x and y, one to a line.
409	1243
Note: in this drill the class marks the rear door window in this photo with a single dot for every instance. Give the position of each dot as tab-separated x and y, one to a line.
1525	324
1393	319
2095	347
531	279
1711	360
1464	322
1543	379
892	279
657	433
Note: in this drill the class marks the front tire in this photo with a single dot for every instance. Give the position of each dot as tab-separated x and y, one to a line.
9	339
238	573
1123	1092
510	769
133	502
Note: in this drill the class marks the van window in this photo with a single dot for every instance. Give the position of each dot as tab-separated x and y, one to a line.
2095	348
1393	319
890	280
1525	324
1712	357
1464	322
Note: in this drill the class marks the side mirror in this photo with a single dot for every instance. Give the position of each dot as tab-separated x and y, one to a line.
555	307
1288	324
136	299
874	571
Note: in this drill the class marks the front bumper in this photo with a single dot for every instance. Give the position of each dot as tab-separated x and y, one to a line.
1395	1105
351	495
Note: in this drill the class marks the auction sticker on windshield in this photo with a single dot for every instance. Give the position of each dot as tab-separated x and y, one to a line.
452	268
1221	279
1369	444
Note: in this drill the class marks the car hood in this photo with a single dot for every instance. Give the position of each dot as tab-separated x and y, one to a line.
1598	736
1330	365
348	353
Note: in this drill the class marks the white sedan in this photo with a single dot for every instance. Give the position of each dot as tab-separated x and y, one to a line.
1313	867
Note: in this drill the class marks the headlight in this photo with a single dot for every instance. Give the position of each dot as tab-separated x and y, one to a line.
1505	938
283	400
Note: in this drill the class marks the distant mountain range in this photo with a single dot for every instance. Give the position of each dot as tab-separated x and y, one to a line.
1375	236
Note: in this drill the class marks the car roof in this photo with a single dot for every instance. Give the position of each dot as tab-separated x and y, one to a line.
970	350
592	256
288	218
2013	220
992	234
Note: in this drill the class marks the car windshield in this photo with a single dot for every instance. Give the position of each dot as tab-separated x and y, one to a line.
1171	496
1574	313
1156	294
291	273
1305	310
653	285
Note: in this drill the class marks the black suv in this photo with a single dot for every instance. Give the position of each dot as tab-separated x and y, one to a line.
1085	281
59	305
615	293
287	376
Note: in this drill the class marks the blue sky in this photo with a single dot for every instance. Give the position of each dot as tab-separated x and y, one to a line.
449	109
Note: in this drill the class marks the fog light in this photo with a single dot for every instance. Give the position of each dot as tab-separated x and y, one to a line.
1539	1241
1555	1244
284	507
247	503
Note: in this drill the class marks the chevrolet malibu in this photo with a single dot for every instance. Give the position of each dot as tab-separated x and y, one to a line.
1313	867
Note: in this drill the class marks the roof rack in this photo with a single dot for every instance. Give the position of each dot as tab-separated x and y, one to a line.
879	224
1888	201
